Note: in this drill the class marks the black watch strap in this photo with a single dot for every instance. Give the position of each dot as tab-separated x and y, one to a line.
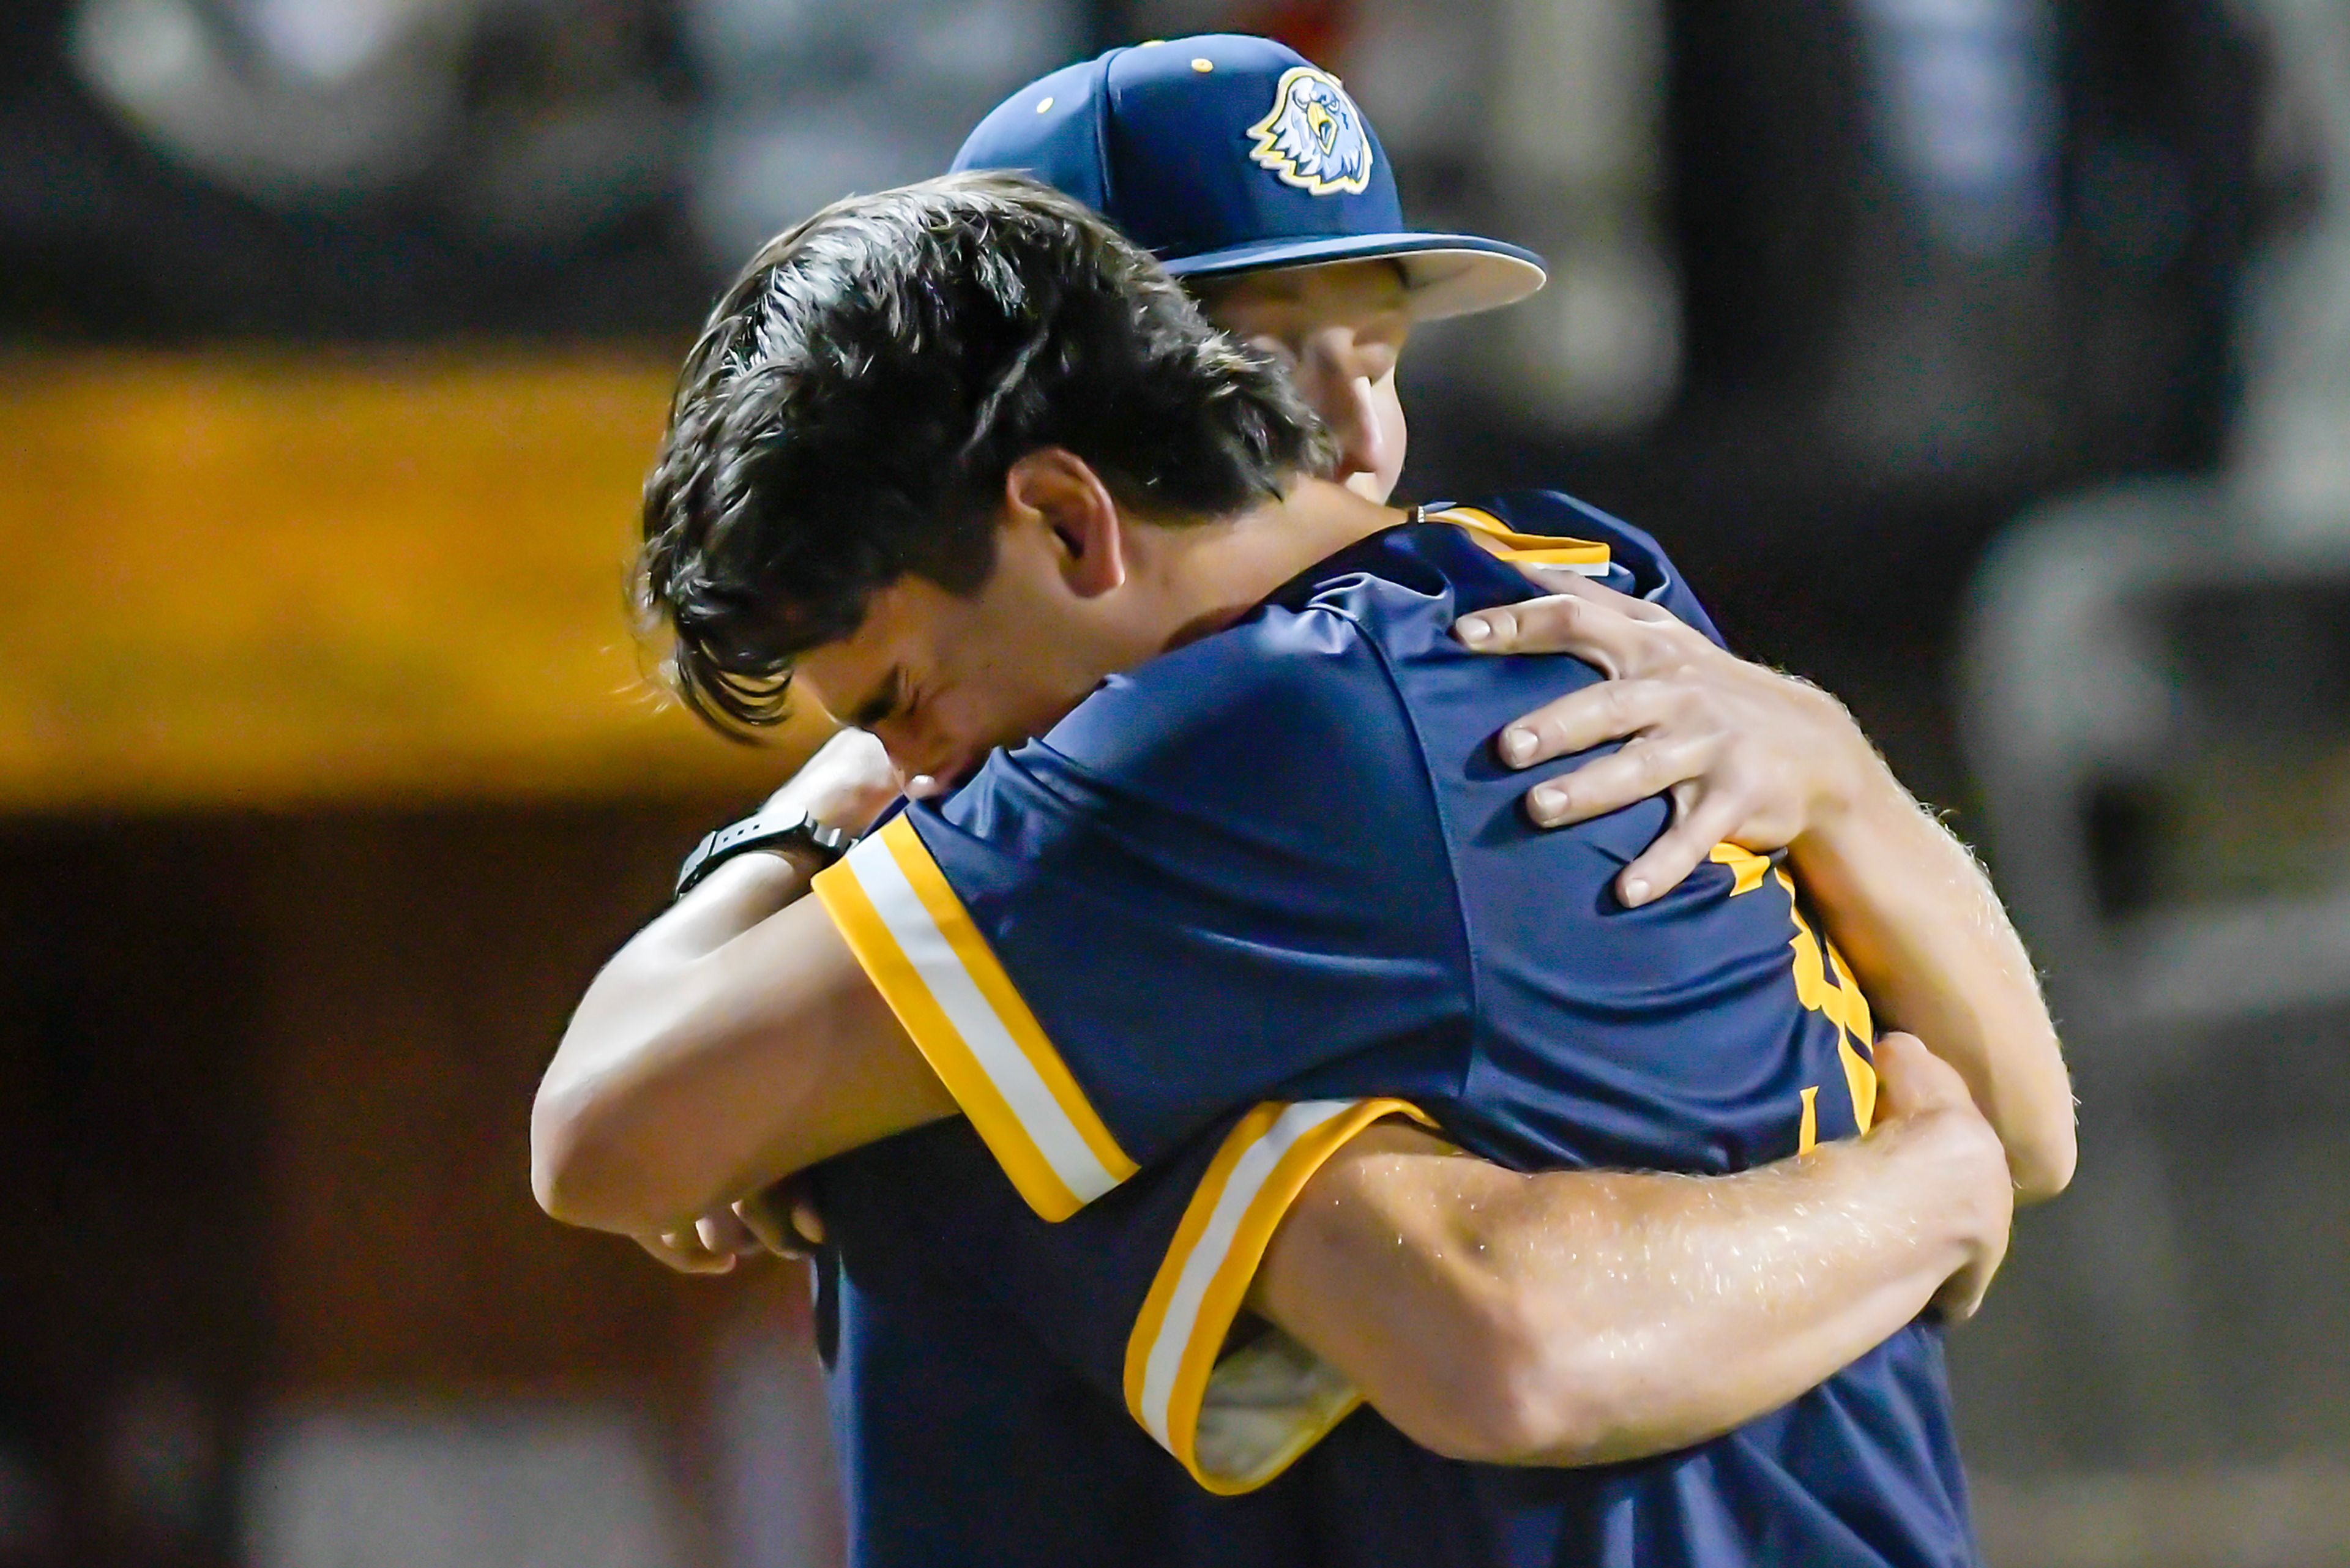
786	825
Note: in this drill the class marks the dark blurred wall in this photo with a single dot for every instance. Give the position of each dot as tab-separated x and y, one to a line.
265	1088
106	237
133	1130
1866	403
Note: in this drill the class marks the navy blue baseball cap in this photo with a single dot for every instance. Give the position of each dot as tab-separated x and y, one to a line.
1226	153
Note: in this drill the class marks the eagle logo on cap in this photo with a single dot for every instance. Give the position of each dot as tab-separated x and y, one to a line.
1313	137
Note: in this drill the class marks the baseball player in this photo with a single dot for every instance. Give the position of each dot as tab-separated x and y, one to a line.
1253	177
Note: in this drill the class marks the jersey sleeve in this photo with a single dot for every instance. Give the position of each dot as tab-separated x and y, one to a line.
1218	873
1143	1294
1548	528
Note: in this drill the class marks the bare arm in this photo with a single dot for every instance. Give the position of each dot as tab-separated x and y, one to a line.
731	1040
1575	1318
1915	916
1757	759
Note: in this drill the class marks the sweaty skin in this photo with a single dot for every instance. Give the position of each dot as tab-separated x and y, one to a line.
1554	1318
736	1039
1756	759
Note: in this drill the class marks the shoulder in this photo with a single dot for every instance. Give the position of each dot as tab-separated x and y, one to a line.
1286	680
1257	721
1637	563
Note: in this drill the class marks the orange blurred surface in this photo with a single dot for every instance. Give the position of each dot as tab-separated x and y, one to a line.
249	580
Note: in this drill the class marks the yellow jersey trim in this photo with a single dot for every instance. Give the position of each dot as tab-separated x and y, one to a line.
1748	868
1584	555
1859	1073
899	916
1824	983
1236	1422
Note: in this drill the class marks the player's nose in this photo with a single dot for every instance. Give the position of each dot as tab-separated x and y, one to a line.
1352	416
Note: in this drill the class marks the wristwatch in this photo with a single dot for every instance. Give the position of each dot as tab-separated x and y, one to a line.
777	825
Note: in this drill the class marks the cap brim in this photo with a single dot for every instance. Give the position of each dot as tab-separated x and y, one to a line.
1449	274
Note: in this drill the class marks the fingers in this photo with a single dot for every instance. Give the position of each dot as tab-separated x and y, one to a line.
1609	710
1700	822
760	1216
806	1219
1913	1081
684	1252
1621	635
784	1219
1916	1091
1562	623
722	1231
714	1243
1644	768
1961	1295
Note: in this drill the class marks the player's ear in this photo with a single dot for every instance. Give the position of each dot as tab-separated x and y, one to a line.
1057	493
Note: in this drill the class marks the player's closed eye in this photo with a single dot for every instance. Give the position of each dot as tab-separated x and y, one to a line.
892	700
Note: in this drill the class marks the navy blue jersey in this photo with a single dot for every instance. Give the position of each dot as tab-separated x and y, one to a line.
968	1434
961	1436
1271	887
979	1419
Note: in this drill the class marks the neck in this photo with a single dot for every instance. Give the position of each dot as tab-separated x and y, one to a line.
1216	573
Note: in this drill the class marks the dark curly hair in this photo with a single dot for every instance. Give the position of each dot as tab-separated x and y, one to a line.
851	408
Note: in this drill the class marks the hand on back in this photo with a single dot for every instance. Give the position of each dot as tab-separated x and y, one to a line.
1748	755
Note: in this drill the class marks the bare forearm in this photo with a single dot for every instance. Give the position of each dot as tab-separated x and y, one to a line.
729	1043
1561	1319
1757	759
730	901
637	1018
1933	949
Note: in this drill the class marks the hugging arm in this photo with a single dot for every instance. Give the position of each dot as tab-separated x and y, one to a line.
1575	1318
732	1041
1560	1318
736	1039
1555	1319
1757	759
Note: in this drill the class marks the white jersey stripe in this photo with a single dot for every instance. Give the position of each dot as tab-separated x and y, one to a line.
983	1033
1209	1253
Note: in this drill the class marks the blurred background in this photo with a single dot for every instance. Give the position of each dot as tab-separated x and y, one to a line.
1986	361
